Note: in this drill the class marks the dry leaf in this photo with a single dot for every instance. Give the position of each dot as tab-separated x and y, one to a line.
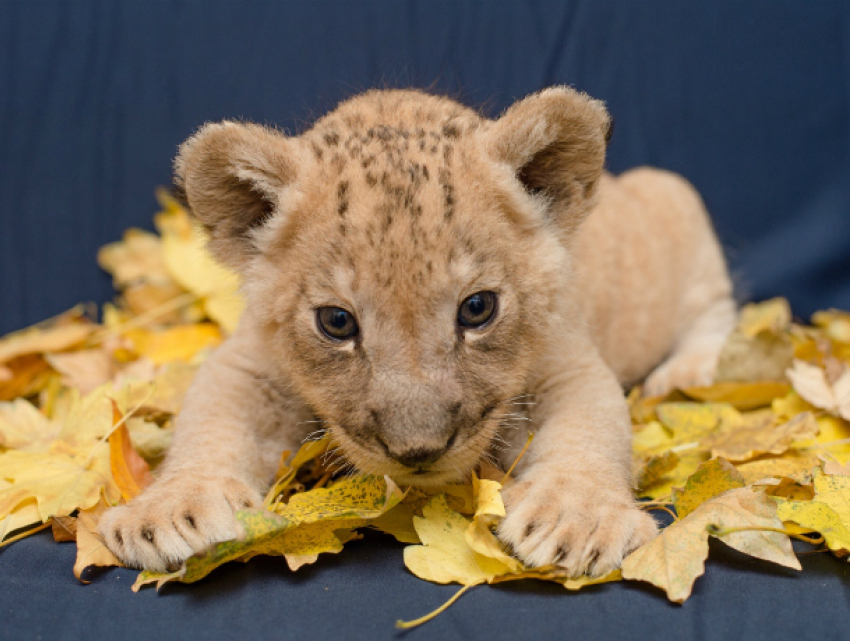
650	471
189	263
811	383
744	443
69	472
129	470
489	511
58	334
91	550
85	370
136	258
178	343
828	513
760	348
741	396
445	556
676	557
791	464
711	479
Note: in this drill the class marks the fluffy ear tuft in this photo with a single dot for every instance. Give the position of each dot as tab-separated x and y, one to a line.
555	142
233	176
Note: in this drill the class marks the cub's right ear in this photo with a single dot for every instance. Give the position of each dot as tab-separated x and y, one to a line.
234	176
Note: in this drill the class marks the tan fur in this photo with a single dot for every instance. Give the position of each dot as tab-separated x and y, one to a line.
396	207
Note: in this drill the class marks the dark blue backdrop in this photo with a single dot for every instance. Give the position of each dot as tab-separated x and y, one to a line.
748	99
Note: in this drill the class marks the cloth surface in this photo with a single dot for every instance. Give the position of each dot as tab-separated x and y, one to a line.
749	100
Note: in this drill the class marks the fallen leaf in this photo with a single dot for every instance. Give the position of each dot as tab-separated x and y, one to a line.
676	557
137	257
24	376
91	550
760	348
445	556
129	470
835	324
745	443
56	335
691	421
811	384
741	396
790	464
711	479
828	513
189	263
85	370
651	470
178	343
489	511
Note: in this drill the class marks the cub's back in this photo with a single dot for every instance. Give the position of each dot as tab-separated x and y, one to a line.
646	260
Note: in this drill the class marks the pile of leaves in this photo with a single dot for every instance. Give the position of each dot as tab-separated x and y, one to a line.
86	410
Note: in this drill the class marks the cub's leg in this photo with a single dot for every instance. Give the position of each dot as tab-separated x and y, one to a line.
572	502
228	440
694	359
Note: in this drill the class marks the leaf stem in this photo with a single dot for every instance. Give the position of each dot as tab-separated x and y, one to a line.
144	318
516	460
406	625
665	508
716	530
23	535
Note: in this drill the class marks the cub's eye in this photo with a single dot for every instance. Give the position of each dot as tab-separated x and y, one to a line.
336	323
477	310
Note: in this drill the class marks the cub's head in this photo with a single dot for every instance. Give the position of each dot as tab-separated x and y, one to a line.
404	261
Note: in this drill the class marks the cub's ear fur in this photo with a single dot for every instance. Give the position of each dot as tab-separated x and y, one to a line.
555	142
234	175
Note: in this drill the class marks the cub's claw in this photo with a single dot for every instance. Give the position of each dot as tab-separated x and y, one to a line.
579	527
173	520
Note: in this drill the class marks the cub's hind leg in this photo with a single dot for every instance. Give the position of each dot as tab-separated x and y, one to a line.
693	361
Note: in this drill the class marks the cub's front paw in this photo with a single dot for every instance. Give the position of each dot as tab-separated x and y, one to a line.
174	519
581	527
682	370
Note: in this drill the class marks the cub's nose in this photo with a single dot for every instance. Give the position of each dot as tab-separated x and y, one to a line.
419	456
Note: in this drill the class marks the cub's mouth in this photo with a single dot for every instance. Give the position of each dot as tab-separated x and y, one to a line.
420	466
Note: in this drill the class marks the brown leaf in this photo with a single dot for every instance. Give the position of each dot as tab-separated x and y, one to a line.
745	443
91	550
676	557
130	471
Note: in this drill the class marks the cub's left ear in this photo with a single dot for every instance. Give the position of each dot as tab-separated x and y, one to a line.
555	142
234	176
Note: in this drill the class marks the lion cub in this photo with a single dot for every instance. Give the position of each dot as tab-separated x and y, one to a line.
419	278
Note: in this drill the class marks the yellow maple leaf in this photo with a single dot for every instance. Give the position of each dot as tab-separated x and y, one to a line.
313	522
58	334
67	472
742	396
177	343
711	479
135	258
445	556
189	263
489	511
827	513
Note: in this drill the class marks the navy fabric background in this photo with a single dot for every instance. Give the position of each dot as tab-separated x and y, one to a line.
750	100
